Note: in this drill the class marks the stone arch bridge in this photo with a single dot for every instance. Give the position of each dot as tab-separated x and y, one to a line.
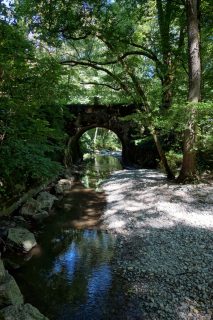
85	117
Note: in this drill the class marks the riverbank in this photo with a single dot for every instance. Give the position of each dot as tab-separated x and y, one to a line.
164	243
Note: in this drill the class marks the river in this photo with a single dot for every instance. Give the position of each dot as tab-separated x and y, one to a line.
70	275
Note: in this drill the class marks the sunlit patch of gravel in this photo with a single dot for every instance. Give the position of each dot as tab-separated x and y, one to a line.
164	243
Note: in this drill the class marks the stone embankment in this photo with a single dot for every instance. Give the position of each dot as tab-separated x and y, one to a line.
164	243
16	237
12	305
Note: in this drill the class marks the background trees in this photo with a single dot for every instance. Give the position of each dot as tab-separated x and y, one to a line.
54	53
99	138
31	129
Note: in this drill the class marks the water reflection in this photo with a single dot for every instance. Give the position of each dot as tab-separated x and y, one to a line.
97	168
71	277
68	262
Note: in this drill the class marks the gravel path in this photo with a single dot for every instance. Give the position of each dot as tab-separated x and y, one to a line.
164	243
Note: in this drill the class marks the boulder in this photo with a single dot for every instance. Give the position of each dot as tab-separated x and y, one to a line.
9	292
21	312
21	238
30	207
64	185
46	200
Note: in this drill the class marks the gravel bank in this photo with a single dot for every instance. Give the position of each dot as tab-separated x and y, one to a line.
164	243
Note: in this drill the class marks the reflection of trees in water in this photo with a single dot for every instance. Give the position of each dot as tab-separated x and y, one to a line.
92	246
98	168
71	270
74	271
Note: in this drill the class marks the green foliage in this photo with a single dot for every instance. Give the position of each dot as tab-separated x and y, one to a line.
86	142
205	136
98	139
54	53
174	159
31	117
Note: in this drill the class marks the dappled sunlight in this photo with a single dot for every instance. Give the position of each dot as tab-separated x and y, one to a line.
178	213
165	241
117	197
126	184
175	204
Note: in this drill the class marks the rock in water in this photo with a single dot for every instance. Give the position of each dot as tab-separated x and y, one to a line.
21	312
21	238
46	200
9	292
12	302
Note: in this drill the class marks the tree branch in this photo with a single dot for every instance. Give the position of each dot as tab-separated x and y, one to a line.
103	63
66	34
74	63
122	57
146	52
102	84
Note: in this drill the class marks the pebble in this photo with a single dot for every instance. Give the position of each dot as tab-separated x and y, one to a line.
171	269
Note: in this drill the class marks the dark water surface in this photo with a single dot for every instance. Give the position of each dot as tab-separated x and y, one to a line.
70	275
98	168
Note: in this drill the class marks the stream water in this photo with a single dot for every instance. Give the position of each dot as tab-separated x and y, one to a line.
69	275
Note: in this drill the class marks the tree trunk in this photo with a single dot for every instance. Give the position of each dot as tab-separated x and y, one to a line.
188	170
164	21
146	107
95	138
169	173
167	94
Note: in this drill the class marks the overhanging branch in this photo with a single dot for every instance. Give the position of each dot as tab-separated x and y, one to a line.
125	55
102	84
73	63
146	52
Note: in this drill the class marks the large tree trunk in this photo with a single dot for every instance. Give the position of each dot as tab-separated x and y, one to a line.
188	170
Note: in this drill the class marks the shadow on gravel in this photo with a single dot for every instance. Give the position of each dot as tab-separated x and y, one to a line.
165	244
170	271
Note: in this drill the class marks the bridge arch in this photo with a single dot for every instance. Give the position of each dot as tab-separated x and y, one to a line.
73	146
100	138
110	117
